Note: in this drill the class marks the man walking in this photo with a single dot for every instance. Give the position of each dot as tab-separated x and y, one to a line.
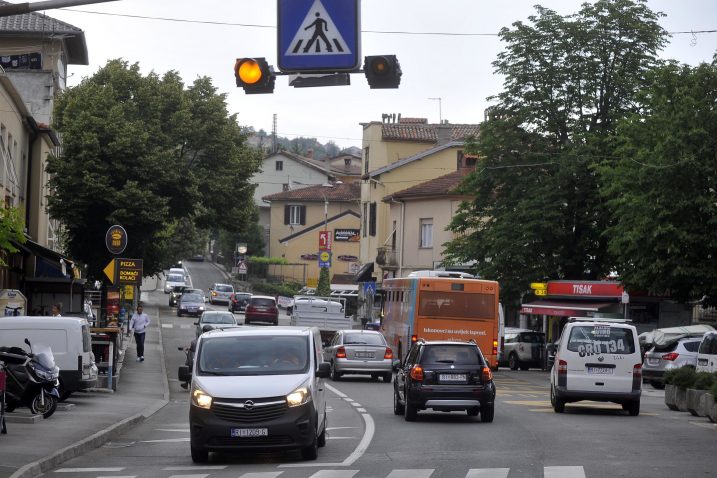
138	324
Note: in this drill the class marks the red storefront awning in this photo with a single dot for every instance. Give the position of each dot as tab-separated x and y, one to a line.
563	308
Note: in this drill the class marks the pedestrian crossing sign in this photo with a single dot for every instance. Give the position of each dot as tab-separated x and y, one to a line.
318	35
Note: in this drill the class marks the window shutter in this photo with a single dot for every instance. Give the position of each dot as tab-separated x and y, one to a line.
287	214
372	220
302	215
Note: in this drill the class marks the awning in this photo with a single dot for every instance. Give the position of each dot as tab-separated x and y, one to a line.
563	308
50	263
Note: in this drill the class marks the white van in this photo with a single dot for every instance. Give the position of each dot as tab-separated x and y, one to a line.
70	341
597	360
707	353
172	280
257	388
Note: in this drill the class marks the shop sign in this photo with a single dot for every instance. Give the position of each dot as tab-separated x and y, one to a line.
553	312
585	289
347	258
116	239
347	235
309	257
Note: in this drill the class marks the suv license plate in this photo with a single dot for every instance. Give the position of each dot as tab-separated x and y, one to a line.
250	432
452	377
600	370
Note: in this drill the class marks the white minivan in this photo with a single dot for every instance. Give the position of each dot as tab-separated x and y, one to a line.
707	353
70	341
597	360
257	388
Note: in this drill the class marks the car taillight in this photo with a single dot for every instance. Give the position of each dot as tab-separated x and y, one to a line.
388	354
414	339
670	356
417	373
341	352
637	376
486	375
562	373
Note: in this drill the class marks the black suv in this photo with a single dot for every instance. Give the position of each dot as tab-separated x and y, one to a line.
444	376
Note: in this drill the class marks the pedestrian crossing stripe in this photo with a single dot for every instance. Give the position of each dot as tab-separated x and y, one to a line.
317	35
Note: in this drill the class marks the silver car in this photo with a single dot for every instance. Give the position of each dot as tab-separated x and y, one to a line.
220	293
363	352
217	318
682	353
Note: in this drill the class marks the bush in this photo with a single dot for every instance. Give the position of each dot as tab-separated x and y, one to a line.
704	380
287	289
684	377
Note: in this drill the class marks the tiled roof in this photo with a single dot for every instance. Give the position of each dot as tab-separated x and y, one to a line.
35	24
318	165
415	157
441	186
345	192
425	132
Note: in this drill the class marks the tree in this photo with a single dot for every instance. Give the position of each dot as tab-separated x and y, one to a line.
537	213
145	152
663	190
11	230
323	288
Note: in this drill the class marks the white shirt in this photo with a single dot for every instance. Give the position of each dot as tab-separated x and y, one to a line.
139	322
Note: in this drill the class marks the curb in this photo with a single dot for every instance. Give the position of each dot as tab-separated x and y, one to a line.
37	468
223	271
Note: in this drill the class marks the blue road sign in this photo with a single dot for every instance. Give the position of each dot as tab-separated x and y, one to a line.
369	288
325	259
319	35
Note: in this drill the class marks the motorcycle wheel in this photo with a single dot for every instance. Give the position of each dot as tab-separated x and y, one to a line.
47	410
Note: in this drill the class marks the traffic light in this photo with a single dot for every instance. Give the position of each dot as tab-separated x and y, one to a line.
382	71
254	75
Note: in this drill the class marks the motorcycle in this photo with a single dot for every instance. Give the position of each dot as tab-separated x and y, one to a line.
31	379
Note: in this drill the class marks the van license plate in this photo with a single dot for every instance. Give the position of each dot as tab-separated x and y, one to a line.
452	377
600	370
249	432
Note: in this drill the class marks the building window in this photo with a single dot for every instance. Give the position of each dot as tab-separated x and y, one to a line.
372	219
365	219
280	165
426	233
393	236
294	215
285	187
347	162
365	160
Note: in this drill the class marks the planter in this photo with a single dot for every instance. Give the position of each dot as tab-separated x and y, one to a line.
707	400
671	397
693	401
681	399
713	413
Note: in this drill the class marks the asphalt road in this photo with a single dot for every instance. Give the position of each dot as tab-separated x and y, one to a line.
365	438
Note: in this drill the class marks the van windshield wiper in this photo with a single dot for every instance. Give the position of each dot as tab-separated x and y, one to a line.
209	372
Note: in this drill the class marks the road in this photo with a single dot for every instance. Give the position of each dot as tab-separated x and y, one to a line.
365	438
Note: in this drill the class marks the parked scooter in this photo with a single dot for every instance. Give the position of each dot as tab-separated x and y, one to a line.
31	380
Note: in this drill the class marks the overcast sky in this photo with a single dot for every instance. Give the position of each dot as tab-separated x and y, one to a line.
455	68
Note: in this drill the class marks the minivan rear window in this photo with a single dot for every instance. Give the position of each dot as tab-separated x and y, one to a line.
601	339
450	354
254	355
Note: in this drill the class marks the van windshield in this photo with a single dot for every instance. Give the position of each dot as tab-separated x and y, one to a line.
254	355
175	278
601	339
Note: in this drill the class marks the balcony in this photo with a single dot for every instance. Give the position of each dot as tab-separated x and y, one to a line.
387	258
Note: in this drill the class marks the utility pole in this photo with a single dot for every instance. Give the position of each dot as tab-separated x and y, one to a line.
20	8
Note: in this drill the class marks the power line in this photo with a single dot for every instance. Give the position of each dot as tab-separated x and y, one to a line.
379	32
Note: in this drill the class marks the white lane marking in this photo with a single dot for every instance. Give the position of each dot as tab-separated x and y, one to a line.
334	474
336	391
194	468
341	438
201	475
362	410
89	470
184	430
328	429
166	440
167	326
564	472
186	326
424	473
488	473
117	476
266	474
356	404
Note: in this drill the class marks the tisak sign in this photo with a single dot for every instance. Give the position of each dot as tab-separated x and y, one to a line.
116	239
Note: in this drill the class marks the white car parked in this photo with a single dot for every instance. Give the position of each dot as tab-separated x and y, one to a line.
707	353
597	360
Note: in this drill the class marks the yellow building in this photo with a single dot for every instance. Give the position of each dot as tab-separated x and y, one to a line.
397	156
300	216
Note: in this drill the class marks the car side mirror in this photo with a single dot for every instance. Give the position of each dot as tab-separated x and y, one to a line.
396	365
196	323
324	370
184	374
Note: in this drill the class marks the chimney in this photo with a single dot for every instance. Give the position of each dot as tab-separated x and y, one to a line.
444	132
310	153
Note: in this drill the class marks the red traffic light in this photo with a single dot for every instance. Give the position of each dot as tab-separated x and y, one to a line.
255	75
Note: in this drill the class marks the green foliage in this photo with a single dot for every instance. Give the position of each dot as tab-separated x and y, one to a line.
267	260
703	380
661	190
287	289
683	377
670	376
147	153
537	213
12	226
323	288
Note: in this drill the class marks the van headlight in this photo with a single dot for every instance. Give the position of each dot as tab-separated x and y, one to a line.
300	396
201	399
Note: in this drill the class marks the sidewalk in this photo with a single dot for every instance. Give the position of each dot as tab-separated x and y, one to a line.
88	420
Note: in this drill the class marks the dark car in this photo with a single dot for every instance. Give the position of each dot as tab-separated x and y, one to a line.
261	308
238	301
175	293
444	376
190	304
